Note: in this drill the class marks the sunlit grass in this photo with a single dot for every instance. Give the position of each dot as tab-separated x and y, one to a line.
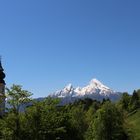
134	121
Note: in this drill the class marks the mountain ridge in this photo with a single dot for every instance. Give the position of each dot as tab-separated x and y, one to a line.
94	90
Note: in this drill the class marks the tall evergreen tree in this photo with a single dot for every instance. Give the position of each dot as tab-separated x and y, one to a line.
125	101
135	101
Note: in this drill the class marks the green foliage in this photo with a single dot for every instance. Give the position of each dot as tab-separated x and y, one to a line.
107	124
125	101
135	101
130	103
77	120
138	92
134	125
12	126
46	120
17	97
82	120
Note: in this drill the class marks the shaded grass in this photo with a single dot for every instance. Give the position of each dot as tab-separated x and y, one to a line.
134	124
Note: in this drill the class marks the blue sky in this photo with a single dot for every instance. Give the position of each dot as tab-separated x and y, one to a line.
46	44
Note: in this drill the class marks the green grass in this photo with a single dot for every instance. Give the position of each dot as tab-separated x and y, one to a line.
134	124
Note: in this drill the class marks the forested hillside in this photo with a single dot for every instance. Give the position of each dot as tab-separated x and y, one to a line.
82	120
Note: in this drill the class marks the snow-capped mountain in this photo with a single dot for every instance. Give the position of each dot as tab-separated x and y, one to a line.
94	90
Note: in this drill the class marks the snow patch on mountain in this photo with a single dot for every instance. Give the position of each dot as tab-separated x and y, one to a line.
94	90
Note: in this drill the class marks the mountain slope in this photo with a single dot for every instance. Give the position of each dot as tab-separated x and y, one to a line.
94	90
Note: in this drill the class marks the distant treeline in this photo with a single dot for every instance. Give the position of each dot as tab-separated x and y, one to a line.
82	120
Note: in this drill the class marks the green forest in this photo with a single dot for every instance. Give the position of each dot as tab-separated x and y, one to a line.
82	120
